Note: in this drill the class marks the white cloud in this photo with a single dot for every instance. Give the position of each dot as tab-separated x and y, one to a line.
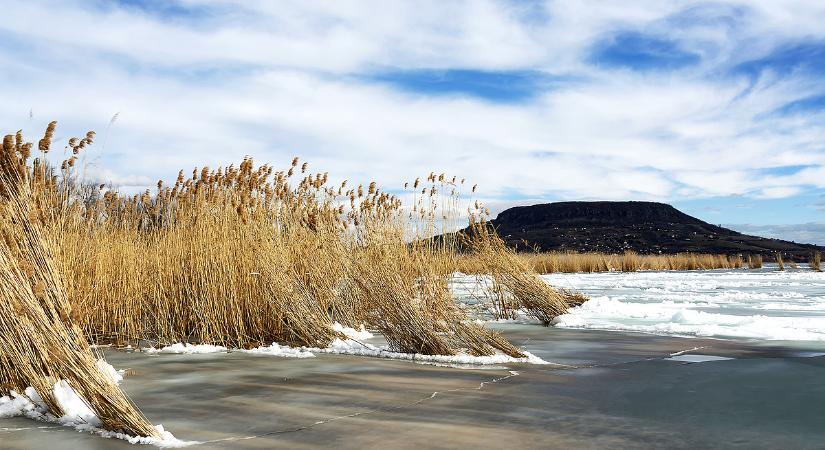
277	79
805	233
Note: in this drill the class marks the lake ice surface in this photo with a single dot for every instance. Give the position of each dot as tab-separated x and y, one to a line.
737	304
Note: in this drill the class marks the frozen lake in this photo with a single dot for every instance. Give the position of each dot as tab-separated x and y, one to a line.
737	304
609	390
721	359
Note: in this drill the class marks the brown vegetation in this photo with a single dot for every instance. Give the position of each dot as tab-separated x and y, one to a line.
779	261
569	262
816	261
514	285
239	256
40	343
754	261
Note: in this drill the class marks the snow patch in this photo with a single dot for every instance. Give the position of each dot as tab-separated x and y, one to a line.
77	413
768	305
186	349
189	349
280	350
352	333
107	369
352	347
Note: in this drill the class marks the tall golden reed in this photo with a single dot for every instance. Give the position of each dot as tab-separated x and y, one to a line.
40	342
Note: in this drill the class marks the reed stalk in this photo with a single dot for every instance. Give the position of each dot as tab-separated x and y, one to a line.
779	261
816	261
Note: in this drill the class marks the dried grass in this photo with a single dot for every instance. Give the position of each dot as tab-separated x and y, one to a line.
244	256
240	257
515	285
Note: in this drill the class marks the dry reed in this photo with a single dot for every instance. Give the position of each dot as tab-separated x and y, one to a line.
816	261
570	262
40	343
754	261
245	256
515	285
779	261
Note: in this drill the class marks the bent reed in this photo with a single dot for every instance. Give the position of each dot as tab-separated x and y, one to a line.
41	344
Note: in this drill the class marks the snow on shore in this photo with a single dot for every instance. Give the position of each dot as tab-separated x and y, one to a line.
186	349
353	345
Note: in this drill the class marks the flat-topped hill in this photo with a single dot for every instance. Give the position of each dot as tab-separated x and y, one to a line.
613	227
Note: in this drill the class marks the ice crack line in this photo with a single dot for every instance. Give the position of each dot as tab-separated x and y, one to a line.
620	363
512	373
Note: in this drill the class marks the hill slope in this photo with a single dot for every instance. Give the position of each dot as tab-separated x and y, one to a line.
613	227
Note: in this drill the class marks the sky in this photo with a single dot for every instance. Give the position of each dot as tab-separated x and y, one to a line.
715	107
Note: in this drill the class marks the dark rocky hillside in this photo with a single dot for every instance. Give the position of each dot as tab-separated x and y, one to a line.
613	227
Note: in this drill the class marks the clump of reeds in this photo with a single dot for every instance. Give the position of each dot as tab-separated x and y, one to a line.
40	343
754	261
515	284
816	261
569	262
779	261
630	261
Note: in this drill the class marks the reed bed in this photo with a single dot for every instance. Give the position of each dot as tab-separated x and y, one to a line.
754	261
41	344
570	262
816	261
239	256
248	255
780	263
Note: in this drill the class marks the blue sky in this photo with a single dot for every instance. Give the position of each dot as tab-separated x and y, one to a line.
715	107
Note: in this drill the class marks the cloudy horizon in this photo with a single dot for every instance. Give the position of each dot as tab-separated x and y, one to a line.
714	107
